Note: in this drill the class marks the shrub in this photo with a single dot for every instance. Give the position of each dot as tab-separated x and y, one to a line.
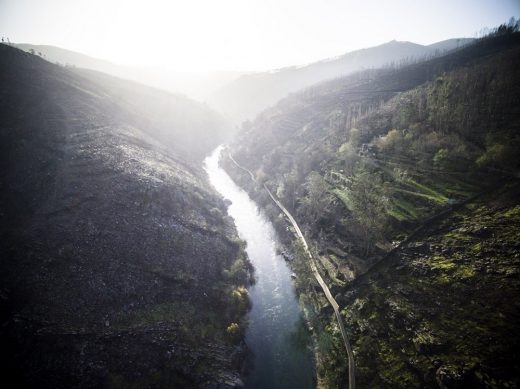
233	331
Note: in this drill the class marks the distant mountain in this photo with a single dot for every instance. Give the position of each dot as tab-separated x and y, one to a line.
115	253
246	96
195	85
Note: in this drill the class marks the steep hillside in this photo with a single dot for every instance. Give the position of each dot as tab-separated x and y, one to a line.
186	126
65	57
118	265
442	311
245	97
373	166
190	128
194	85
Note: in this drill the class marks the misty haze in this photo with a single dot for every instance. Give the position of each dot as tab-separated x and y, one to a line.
288	194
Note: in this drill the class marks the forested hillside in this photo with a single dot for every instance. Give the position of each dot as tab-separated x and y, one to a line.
118	265
406	182
249	94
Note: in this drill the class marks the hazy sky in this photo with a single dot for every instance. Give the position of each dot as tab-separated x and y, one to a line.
240	34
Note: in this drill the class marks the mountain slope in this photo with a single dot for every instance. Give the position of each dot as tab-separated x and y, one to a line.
245	97
70	58
195	85
395	175
189	127
186	126
443	310
112	246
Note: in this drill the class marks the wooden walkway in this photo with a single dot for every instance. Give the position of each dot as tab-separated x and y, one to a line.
317	275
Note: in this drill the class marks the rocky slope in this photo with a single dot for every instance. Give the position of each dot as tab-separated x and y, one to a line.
374	166
443	310
118	266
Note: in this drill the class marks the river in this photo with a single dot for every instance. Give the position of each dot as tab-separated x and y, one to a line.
276	336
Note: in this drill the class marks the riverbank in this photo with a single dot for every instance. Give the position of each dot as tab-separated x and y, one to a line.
464	263
307	280
275	334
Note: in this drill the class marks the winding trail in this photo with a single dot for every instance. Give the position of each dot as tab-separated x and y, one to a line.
317	275
243	168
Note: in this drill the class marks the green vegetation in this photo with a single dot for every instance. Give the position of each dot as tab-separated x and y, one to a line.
402	210
376	166
433	308
368	205
362	169
315	204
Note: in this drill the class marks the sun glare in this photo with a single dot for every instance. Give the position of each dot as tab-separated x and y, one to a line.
240	35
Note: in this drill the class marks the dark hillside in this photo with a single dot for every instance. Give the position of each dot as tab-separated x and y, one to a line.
371	164
112	246
190	128
443	311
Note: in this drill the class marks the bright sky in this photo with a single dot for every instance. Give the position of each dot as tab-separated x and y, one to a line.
240	34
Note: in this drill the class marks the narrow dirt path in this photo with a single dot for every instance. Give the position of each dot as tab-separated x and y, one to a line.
317	275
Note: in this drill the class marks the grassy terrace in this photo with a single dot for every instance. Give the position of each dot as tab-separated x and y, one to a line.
399	335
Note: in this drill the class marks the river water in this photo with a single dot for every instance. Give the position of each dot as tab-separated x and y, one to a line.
276	336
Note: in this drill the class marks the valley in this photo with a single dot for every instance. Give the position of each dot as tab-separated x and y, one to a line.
276	335
349	223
